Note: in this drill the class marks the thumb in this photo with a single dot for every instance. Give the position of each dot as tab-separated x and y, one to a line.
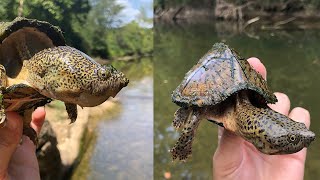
229	153
10	135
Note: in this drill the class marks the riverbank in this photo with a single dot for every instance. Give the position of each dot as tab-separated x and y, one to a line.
252	14
69	135
72	137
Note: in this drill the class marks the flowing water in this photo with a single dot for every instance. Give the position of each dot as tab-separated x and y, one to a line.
123	147
292	59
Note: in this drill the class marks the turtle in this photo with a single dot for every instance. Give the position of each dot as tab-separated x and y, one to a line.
223	88
37	66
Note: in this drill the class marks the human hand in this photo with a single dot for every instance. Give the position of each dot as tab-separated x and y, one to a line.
19	161
236	158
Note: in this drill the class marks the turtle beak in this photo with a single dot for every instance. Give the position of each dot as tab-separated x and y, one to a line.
309	136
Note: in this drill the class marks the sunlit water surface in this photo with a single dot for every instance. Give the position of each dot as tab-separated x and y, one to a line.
124	145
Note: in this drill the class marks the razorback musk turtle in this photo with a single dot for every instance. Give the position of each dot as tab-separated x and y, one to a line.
222	87
36	66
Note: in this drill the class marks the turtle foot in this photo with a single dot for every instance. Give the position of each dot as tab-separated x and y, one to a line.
32	134
183	148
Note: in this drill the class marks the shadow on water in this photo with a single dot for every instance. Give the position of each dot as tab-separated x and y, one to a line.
123	144
292	59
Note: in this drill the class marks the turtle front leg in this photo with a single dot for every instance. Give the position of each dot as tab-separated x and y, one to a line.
27	129
181	117
3	84
183	147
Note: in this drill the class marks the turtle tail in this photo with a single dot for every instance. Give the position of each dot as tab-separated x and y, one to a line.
183	147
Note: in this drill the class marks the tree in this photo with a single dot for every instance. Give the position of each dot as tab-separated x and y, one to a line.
103	15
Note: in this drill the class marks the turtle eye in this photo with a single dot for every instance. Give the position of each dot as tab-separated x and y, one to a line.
104	74
292	138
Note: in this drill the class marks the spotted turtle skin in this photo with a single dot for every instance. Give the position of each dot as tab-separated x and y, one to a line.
223	88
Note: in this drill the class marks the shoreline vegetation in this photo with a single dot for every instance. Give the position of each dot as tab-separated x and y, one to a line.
95	27
259	14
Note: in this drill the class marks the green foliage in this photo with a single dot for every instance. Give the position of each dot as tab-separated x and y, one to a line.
66	14
87	25
102	15
130	40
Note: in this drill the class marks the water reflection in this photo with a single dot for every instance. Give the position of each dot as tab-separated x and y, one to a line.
292	59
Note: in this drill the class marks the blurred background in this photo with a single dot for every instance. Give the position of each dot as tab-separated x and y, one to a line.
283	34
115	139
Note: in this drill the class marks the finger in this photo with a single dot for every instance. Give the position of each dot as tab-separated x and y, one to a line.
24	158
38	117
283	104
258	66
301	115
10	136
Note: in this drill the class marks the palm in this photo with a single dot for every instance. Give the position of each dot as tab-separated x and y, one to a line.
256	165
237	159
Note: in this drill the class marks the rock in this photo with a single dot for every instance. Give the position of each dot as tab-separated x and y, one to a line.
48	154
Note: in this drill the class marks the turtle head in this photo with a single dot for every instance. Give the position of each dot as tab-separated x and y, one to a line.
278	134
108	79
100	81
295	137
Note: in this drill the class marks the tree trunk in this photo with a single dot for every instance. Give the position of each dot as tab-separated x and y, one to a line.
20	9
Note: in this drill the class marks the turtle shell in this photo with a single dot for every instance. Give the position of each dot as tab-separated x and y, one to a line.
219	73
21	38
20	97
